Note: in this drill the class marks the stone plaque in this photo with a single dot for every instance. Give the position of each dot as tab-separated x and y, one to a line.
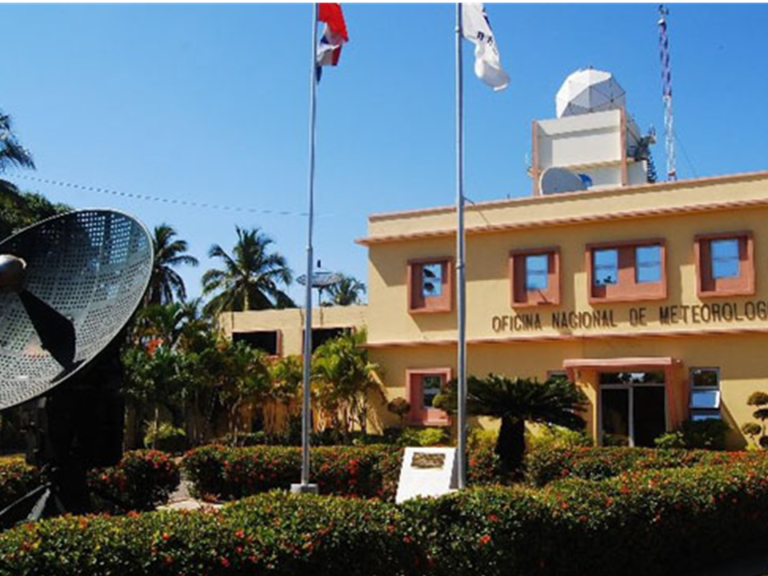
427	472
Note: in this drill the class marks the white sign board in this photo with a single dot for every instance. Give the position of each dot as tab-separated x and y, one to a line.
427	472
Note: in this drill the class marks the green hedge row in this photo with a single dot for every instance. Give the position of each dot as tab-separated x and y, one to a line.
647	522
545	465
222	472
142	480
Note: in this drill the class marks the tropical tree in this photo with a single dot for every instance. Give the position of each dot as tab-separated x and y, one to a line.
12	155
170	252
243	378
344	380
287	374
252	277
346	292
515	402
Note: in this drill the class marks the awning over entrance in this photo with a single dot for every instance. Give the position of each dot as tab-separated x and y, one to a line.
604	364
589	372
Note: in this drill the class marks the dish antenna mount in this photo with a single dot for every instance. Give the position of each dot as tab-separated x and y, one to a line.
68	287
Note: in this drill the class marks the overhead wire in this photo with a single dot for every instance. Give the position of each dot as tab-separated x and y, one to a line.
160	199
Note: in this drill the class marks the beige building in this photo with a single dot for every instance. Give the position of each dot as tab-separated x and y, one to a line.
653	297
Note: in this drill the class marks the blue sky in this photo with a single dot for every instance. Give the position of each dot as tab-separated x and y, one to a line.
209	103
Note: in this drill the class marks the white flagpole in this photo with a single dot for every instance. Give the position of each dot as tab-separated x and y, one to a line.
306	406
460	271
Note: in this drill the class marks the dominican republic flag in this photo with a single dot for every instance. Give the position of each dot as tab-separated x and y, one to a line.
477	29
334	35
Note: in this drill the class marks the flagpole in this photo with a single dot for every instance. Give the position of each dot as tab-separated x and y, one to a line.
306	407
460	271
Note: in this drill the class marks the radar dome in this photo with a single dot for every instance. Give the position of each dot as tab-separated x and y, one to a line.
589	90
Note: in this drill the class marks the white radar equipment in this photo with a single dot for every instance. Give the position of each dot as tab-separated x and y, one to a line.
589	90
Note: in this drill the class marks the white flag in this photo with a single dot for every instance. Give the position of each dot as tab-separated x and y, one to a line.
477	29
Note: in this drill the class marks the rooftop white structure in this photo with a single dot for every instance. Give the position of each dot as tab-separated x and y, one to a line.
588	90
592	136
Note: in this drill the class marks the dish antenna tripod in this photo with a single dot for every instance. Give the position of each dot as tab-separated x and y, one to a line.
68	287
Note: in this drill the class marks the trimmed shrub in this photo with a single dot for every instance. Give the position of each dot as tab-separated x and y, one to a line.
546	465
16	479
648	522
361	471
142	480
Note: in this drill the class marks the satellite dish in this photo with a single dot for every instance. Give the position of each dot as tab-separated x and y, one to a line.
68	287
320	278
588	90
556	180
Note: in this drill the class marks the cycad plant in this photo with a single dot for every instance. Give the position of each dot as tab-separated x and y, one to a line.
515	402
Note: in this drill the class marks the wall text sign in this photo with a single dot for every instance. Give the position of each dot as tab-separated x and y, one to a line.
666	315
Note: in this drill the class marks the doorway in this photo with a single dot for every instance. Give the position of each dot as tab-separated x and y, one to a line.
632	408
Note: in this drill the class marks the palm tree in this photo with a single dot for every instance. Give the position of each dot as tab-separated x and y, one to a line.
169	253
12	155
515	402
346	292
251	278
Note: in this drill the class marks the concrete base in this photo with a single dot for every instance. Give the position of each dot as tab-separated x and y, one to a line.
303	488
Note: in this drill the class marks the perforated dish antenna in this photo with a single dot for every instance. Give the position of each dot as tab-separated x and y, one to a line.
68	286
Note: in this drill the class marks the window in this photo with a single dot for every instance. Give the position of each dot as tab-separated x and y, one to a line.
422	386
431	280
606	267
705	394
431	386
627	271
725	264
430	285
535	276
321	335
725	258
647	264
536	272
268	341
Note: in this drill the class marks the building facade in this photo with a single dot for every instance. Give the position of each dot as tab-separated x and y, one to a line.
652	297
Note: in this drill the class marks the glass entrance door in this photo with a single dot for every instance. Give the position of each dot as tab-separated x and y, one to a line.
632	408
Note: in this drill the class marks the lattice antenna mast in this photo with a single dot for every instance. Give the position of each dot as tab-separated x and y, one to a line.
666	85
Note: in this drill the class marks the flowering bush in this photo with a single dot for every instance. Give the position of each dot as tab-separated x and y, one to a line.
641	522
362	471
16	479
142	480
547	464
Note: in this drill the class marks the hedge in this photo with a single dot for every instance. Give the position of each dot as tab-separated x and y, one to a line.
142	480
223	472
545	465
652	521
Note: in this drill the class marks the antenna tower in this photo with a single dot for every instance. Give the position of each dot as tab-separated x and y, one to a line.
666	85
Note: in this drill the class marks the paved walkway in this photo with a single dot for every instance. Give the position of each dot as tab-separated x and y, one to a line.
182	500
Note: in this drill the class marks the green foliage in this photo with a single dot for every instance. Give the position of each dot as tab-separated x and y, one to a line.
252	277
684	518
347	292
546	465
399	407
362	471
708	434
670	440
557	437
757	399
423	437
165	283
21	209
142	480
344	379
165	437
517	401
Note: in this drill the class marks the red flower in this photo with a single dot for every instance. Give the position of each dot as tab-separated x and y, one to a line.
484	539
224	562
